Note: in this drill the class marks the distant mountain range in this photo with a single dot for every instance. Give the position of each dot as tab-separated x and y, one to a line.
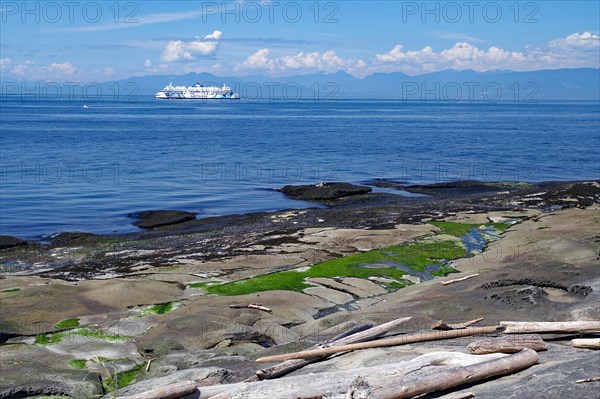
447	85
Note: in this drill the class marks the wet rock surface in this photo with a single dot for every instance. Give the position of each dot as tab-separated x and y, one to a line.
220	237
72	239
324	191
154	219
142	296
10	242
453	189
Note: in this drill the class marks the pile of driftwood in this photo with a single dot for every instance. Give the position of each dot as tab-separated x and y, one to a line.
513	348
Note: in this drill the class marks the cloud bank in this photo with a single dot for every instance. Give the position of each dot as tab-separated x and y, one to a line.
201	54
574	51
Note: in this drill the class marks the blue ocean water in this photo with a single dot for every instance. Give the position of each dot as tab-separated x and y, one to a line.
69	168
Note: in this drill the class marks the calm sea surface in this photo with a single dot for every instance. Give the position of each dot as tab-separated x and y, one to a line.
70	168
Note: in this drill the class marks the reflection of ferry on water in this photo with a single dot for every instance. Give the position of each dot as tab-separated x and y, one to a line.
197	92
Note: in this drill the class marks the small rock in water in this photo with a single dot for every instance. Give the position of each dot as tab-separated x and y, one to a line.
71	238
152	219
324	191
9	242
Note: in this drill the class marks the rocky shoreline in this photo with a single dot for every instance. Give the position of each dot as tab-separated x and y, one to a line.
83	315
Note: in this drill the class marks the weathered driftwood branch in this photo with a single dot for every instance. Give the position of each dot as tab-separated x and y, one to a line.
523	327
428	373
149	363
587	343
406	339
510	344
360	389
167	392
251	306
456	280
372	333
458	395
437	358
287	367
338	381
348	337
351	331
432	380
442	325
593	379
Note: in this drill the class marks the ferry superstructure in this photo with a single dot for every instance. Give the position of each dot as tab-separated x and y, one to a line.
197	92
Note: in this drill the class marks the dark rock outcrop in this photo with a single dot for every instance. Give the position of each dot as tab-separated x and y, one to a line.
153	219
72	238
9	242
324	191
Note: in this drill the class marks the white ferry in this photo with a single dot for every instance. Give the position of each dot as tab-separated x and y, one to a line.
197	92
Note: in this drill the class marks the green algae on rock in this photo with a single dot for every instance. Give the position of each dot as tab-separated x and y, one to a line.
423	258
55	338
120	380
77	363
454	228
415	256
10	290
67	324
161	308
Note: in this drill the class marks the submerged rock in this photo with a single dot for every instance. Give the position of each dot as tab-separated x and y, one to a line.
324	191
9	242
152	219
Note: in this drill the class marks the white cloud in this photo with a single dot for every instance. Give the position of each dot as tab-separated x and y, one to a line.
576	40
178	50
66	68
397	55
55	71
215	35
4	63
462	55
161	68
301	62
577	50
148	63
573	51
259	60
109	71
459	36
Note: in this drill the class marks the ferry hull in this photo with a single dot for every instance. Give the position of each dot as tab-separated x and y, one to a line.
196	92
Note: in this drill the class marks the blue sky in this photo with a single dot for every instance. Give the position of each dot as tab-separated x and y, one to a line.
106	40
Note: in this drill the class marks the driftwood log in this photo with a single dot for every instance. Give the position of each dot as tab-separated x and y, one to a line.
458	395
354	335
350	331
456	280
149	363
432	380
171	391
587	343
256	306
507	344
342	380
441	325
524	327
428	373
406	339
593	379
